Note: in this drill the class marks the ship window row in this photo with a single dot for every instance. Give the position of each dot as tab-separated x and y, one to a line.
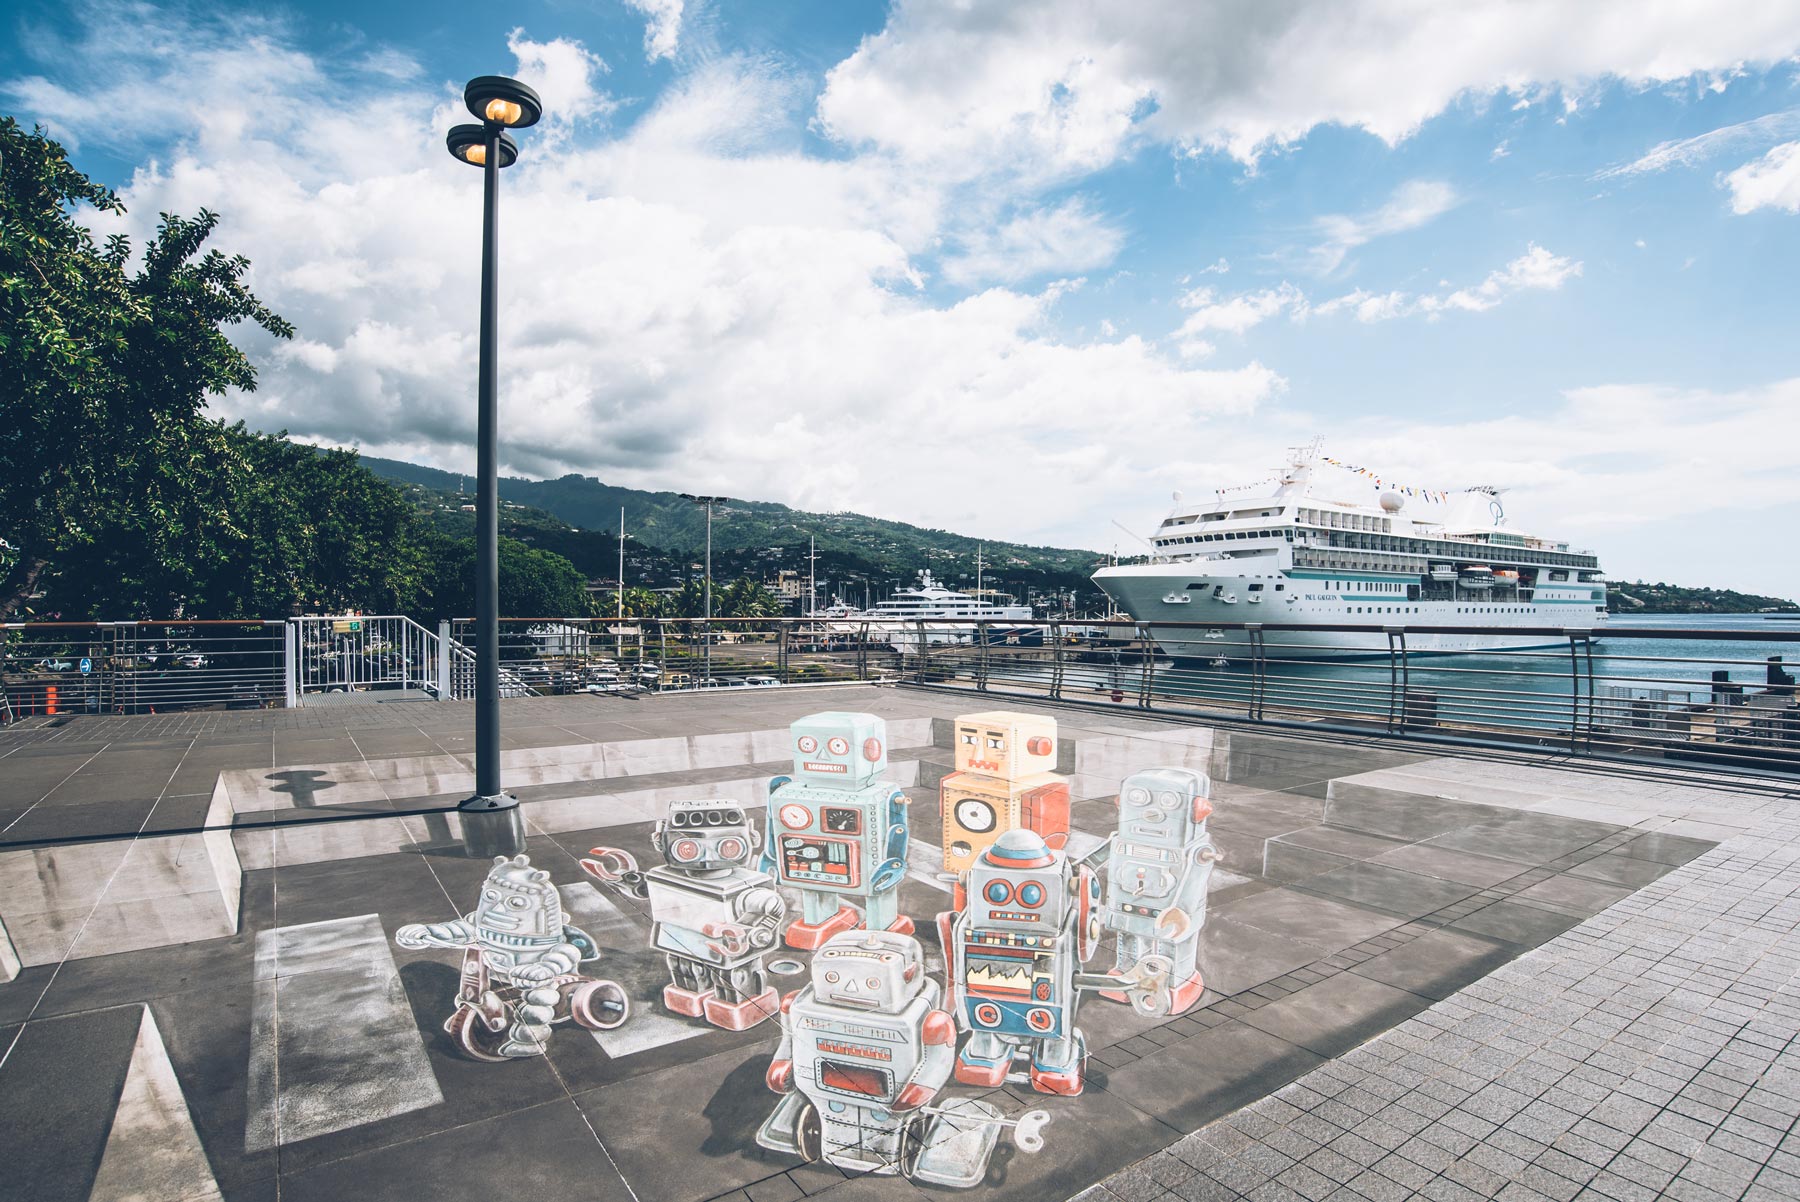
1410	546
1346	521
1226	536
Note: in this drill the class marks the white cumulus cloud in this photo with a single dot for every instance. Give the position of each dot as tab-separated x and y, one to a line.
662	31
1412	205
1773	181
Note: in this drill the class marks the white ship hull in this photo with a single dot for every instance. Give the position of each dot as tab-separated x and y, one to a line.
1147	592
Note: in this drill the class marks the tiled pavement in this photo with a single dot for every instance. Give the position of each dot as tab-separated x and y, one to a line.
1647	1052
1408	928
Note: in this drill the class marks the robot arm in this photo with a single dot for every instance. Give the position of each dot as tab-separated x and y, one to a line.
780	1077
415	935
559	961
937	1055
616	869
1188	914
769	857
893	866
758	913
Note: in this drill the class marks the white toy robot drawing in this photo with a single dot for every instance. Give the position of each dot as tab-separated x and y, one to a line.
520	955
713	916
864	1051
1159	867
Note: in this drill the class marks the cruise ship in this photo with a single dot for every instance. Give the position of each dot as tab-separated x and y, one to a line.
896	620
1327	543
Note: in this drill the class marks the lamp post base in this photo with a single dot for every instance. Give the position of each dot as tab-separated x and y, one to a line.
492	826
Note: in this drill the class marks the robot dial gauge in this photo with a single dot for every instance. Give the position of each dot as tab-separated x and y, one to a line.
975	816
795	816
842	821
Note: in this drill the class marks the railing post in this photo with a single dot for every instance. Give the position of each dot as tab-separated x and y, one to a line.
1149	665
920	670
862	652
446	683
1056	661
1574	692
1259	670
1396	637
290	661
981	659
781	649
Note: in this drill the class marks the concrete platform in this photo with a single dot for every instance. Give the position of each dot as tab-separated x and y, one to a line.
270	1038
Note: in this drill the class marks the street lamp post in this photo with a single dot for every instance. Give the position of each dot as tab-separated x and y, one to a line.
708	502
501	104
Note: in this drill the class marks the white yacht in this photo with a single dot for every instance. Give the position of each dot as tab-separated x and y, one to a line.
897	620
1329	544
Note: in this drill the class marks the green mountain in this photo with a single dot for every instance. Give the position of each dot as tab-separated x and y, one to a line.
1641	598
858	556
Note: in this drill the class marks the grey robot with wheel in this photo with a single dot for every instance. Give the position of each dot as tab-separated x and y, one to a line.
520	967
713	916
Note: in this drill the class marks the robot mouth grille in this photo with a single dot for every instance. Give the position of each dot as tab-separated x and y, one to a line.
837	768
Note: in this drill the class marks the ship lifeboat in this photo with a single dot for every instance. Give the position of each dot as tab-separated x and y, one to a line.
1477	576
1443	571
1505	576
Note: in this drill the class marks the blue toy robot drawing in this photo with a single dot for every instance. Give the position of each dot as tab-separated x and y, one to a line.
1030	919
837	832
520	955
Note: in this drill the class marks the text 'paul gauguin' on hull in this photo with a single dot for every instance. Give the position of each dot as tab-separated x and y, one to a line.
1328	543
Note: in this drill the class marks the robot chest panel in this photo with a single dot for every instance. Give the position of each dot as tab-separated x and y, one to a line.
858	1057
1137	881
680	900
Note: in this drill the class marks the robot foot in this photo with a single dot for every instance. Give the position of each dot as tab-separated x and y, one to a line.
971	1071
516	1048
1183	996
901	925
686	1001
1064	1082
808	936
741	1016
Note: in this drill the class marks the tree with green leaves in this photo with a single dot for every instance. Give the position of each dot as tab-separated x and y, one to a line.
110	472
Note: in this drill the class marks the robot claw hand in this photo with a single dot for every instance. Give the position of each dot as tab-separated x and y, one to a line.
1173	923
616	869
733	939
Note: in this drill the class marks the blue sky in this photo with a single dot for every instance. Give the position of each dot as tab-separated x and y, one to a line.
1012	270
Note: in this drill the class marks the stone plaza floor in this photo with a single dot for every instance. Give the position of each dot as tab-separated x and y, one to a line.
1428	975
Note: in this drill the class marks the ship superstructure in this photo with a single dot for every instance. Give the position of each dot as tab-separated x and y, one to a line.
1328	544
900	619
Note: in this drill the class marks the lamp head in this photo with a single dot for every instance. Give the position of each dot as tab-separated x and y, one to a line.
503	101
469	143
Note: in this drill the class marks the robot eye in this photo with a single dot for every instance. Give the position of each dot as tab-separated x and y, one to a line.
517	902
997	744
874	983
969	739
731	849
1137	796
490	894
831	978
838	746
734	816
1031	895
998	892
1168	798
807	744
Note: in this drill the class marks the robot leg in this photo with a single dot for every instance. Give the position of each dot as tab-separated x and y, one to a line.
1057	1064
884	913
689	987
1185	983
984	1059
740	997
530	1032
822	916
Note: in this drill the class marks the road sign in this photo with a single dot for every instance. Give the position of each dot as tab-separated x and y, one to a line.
353	627
87	665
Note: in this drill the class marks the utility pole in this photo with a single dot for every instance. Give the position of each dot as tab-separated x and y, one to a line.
708	502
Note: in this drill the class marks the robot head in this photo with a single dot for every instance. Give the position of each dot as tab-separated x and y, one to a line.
869	970
1019	884
704	835
1164	806
518	902
1005	744
840	749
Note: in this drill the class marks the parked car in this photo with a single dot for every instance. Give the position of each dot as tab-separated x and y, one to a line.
191	659
761	682
56	665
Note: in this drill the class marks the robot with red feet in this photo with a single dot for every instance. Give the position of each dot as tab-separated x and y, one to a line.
1157	875
1030	918
712	916
837	831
